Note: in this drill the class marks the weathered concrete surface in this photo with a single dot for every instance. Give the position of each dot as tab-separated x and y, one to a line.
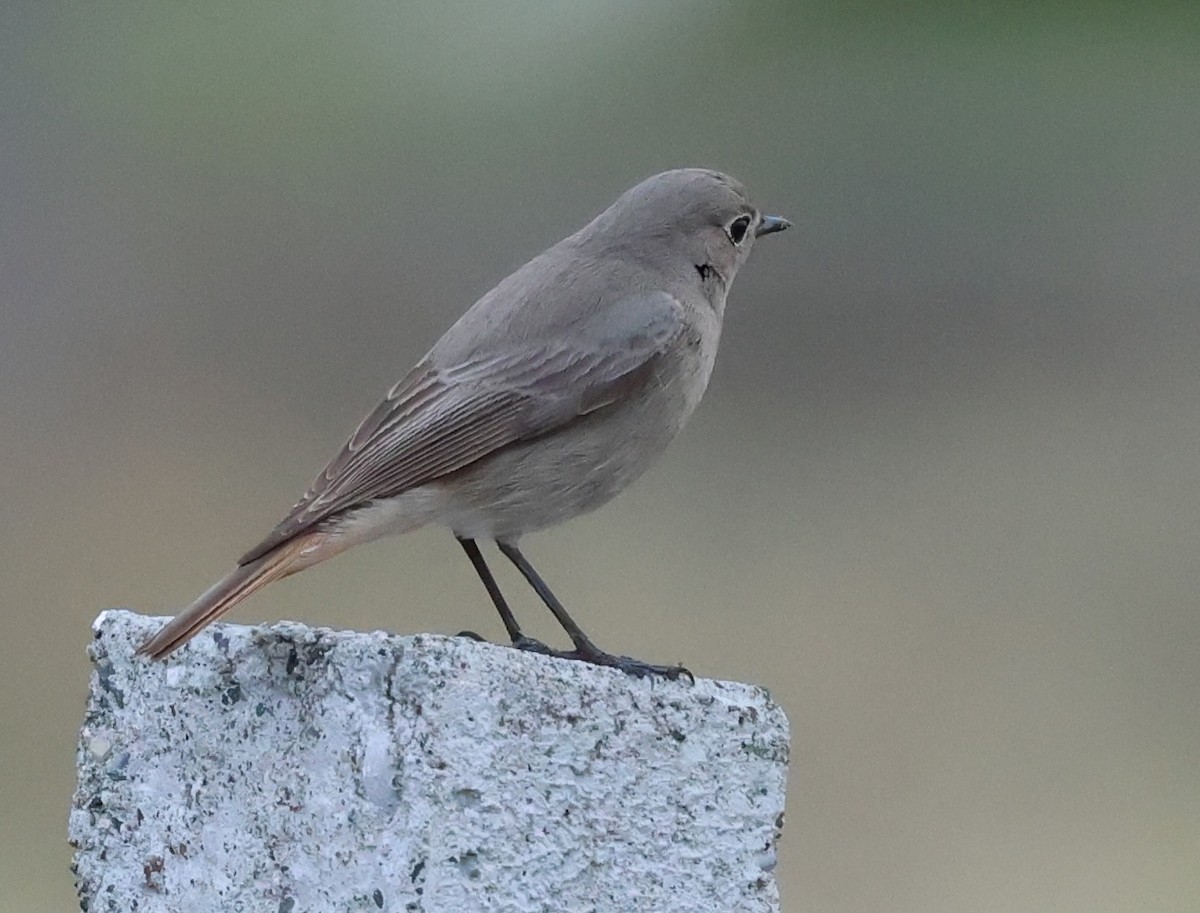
295	770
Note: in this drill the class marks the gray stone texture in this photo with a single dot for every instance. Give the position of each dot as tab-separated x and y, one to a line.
292	770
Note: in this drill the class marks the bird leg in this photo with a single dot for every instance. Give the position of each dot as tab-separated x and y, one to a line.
518	638
585	650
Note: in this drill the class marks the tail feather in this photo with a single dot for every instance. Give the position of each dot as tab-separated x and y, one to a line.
282	561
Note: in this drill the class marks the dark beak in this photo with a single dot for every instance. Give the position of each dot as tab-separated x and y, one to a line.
768	225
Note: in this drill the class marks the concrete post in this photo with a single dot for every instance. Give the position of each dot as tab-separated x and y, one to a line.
295	770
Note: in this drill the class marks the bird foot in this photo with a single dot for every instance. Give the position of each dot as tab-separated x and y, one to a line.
529	644
597	657
533	645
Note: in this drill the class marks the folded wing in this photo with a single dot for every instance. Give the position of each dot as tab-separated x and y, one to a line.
441	418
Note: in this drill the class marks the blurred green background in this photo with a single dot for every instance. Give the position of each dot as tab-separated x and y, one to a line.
942	495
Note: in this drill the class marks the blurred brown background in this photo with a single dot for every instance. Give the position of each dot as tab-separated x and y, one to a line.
942	496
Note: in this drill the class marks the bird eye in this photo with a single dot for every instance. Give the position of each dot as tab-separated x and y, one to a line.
738	228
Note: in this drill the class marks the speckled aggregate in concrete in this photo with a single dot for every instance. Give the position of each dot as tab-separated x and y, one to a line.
291	769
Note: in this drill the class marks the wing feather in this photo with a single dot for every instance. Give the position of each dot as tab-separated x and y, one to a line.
437	420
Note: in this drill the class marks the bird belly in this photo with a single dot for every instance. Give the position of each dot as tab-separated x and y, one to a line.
538	483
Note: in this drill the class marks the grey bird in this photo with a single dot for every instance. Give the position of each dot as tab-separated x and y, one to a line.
549	396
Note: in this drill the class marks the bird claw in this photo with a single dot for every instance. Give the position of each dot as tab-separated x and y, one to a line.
640	669
533	645
598	657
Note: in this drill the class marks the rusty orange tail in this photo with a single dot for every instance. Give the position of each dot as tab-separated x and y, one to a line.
282	561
